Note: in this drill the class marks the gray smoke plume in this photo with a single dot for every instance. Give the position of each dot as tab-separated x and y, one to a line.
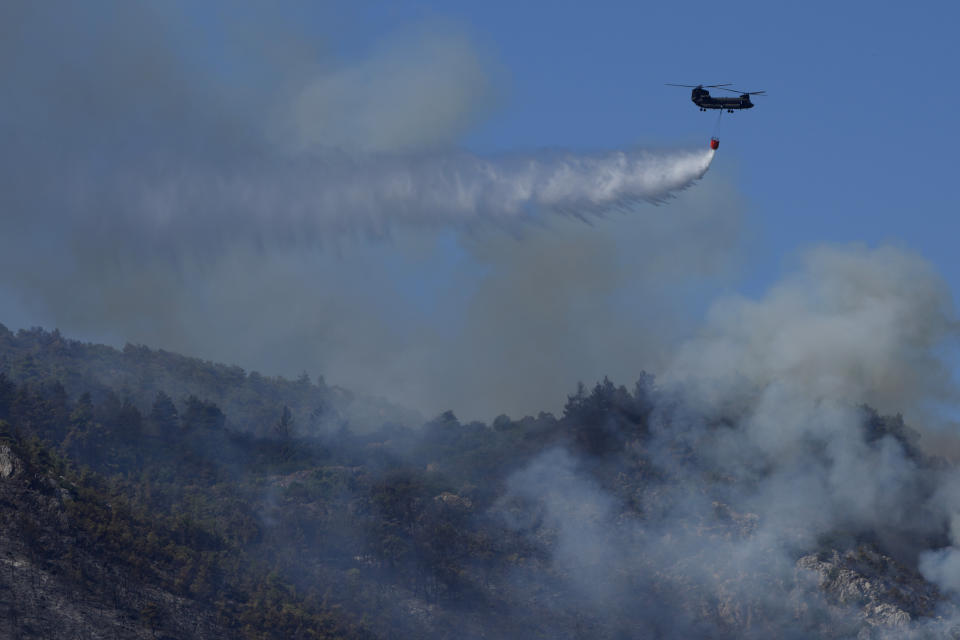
852	325
762	459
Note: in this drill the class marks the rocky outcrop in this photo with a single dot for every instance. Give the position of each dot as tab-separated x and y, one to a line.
885	593
9	463
453	501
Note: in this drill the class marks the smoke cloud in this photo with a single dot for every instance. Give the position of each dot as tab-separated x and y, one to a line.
851	325
762	462
417	90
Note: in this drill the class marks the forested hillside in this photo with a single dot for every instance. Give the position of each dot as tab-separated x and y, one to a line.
136	374
146	494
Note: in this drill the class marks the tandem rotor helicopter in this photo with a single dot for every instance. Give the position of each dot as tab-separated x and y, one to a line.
702	98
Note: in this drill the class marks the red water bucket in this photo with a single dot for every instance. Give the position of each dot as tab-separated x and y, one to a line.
714	143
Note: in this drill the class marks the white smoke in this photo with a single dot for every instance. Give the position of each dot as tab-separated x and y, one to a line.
853	325
759	427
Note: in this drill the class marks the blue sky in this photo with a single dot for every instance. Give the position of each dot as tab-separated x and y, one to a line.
854	142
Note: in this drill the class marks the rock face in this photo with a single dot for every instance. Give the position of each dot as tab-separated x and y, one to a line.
9	463
886	594
453	501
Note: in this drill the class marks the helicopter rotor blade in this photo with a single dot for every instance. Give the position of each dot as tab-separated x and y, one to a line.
745	93
694	86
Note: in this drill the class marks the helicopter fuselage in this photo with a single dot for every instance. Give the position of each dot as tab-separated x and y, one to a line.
703	99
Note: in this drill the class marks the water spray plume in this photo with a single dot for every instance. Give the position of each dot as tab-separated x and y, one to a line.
342	193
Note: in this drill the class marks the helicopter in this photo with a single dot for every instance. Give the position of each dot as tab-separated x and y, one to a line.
702	98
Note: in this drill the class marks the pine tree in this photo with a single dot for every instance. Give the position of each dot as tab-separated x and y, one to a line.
164	420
